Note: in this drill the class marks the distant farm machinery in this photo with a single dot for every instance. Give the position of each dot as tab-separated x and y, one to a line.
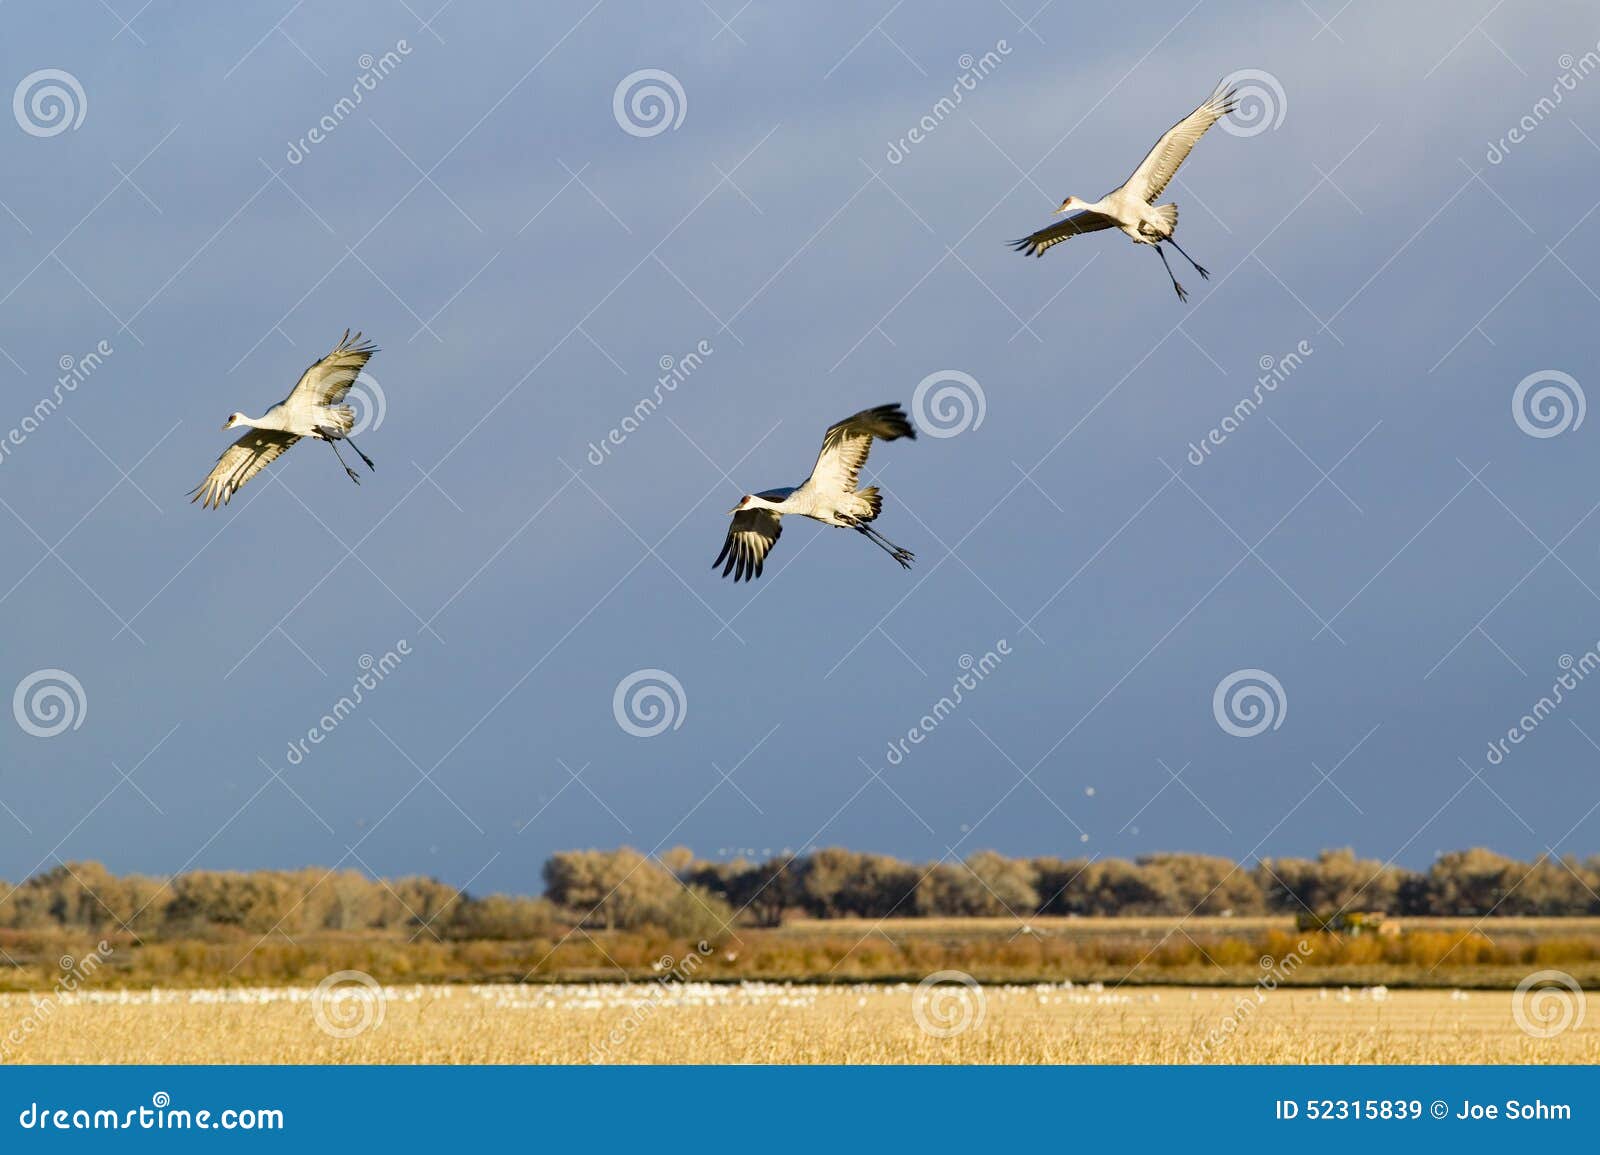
1348	922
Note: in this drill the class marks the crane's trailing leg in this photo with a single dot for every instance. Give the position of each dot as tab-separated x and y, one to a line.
1198	267
904	556
1183	294
331	436
372	468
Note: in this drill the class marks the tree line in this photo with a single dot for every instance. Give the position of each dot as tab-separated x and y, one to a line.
833	883
624	889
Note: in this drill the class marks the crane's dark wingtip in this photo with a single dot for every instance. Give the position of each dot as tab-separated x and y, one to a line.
896	423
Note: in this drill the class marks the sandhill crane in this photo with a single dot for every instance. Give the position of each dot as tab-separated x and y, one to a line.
312	409
1129	208
829	495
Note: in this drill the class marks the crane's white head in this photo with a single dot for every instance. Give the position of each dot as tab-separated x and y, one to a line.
236	419
1072	204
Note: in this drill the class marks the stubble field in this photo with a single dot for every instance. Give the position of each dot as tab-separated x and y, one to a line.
783	1023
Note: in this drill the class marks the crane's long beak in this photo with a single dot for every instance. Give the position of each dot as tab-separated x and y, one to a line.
1059	211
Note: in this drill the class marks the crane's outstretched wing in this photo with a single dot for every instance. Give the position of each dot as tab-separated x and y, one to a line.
240	462
1156	169
1034	244
327	381
750	537
845	447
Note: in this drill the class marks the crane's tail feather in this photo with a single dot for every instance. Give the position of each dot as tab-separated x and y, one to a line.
869	503
1168	215
343	418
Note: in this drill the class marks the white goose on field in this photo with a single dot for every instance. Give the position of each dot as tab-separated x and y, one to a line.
312	409
1131	208
829	495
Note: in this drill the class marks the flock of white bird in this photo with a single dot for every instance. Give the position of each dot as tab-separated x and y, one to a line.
315	406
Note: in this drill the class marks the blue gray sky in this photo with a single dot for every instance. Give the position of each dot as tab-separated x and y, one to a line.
1381	534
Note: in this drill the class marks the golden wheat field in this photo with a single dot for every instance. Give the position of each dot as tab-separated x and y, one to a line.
784	1023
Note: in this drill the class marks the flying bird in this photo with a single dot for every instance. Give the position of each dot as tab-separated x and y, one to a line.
1131	208
313	409
829	495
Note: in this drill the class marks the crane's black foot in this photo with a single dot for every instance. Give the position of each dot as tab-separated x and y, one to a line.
1201	269
352	475
1183	294
905	557
364	457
